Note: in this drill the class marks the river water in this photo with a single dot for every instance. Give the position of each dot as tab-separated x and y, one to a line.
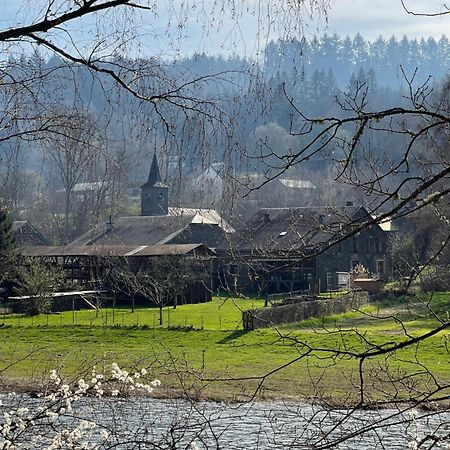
141	423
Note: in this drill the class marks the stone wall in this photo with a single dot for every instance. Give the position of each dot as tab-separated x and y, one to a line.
301	310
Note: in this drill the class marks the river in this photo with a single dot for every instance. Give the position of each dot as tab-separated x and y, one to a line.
288	425
142	422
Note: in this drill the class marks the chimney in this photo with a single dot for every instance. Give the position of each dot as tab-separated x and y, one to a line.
109	224
266	218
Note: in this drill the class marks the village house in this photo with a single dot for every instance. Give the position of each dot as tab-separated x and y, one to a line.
302	249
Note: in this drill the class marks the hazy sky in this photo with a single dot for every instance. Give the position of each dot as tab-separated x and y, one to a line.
371	18
387	17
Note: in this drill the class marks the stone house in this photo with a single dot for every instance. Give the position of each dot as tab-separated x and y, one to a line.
302	248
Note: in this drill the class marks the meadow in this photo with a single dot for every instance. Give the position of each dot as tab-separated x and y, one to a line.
202	349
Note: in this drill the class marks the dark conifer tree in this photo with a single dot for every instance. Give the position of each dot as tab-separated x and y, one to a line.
7	242
8	254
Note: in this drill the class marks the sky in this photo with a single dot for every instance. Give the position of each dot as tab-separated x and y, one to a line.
387	17
370	18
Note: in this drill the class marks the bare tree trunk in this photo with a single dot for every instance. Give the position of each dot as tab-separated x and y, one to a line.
160	315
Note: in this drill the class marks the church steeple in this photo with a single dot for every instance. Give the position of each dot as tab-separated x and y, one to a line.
154	176
154	193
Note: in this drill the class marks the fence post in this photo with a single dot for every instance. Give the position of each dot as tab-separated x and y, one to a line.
114	310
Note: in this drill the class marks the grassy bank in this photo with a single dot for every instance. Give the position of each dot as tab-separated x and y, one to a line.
179	354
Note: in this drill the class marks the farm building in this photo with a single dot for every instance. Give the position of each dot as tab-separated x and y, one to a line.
182	272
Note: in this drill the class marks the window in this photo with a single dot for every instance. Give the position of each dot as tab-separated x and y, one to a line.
343	278
380	266
283	233
377	245
354	244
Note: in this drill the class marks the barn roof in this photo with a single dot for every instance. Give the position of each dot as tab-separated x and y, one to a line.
118	250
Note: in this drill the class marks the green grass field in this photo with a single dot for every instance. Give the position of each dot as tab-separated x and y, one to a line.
206	341
219	314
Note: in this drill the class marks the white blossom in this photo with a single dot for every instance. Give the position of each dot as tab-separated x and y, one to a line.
56	423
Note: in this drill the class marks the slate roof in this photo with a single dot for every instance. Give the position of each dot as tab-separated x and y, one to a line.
118	250
293	229
155	230
204	216
154	176
297	184
87	186
26	234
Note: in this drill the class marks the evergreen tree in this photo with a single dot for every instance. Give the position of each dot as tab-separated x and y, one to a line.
6	232
393	61
443	54
347	58
378	54
431	51
360	50
8	254
405	61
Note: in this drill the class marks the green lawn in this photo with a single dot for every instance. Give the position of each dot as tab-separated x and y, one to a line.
222	350
219	314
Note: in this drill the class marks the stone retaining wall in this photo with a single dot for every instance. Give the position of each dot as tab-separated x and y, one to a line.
301	310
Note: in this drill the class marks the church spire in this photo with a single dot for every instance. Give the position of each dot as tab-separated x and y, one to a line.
154	193
154	176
